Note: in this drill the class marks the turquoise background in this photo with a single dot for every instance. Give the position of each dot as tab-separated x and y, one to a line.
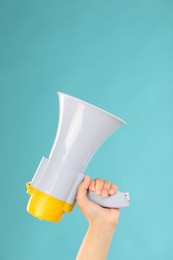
117	55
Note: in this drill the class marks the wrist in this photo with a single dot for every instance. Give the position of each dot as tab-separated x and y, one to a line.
102	226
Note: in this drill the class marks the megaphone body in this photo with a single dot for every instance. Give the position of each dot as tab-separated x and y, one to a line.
82	128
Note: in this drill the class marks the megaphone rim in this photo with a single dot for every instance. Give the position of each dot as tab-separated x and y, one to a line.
91	105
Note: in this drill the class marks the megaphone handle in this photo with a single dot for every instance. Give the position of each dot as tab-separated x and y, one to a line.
119	200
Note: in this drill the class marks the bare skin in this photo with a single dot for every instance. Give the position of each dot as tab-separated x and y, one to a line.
102	221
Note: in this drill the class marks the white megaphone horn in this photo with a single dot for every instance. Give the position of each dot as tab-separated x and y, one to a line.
82	128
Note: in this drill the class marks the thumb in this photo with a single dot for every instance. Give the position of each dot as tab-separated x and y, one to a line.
82	190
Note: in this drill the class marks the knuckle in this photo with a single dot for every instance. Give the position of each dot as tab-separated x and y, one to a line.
107	184
99	181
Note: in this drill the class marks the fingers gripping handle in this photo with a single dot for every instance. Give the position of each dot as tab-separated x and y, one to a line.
118	200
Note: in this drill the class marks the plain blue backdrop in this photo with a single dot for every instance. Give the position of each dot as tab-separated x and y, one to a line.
117	55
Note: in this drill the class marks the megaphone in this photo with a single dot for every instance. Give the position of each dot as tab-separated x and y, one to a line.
82	128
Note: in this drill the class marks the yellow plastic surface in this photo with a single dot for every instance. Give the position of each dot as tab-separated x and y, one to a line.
46	207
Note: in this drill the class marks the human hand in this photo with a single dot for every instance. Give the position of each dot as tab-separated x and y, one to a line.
94	213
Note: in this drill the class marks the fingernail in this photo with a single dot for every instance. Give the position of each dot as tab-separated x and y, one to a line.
98	192
92	188
104	193
111	191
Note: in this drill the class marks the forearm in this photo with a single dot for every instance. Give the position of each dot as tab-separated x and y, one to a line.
96	242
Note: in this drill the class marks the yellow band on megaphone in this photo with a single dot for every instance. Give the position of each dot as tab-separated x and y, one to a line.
46	207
